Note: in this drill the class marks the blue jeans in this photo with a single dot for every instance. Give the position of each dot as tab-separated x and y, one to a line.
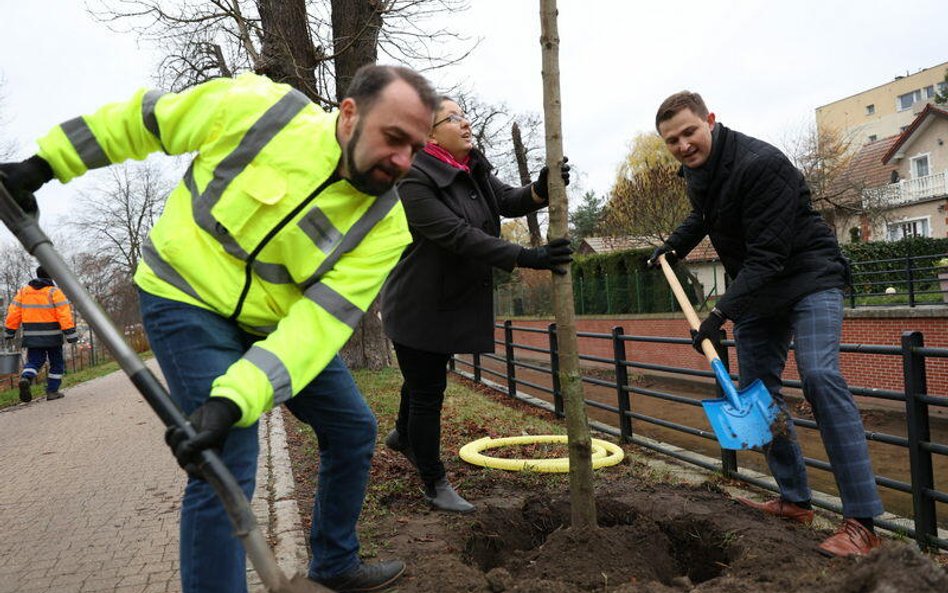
194	346
815	322
36	358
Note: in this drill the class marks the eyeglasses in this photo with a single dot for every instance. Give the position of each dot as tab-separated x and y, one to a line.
454	118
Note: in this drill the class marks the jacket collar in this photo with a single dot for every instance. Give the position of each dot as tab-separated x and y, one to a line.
720	161
444	174
40	283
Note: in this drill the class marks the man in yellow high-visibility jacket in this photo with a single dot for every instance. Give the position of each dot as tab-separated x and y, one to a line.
267	254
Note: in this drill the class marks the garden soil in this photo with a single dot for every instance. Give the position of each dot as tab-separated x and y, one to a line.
654	535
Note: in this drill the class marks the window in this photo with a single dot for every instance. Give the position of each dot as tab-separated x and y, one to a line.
908	99
929	92
873	137
920	166
907	228
870	109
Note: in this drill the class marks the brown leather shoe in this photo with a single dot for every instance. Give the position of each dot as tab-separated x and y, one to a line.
779	507
852	538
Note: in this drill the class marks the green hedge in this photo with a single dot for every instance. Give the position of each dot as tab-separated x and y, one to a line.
618	282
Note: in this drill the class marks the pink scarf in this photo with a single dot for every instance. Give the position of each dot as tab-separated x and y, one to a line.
446	157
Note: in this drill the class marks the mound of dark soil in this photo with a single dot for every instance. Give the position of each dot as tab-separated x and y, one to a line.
659	539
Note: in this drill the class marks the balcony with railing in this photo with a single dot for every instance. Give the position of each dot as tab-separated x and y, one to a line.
906	191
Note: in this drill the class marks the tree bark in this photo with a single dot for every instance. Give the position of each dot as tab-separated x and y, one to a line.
520	154
582	494
288	54
355	32
355	36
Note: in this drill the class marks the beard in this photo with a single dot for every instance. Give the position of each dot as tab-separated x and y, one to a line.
363	180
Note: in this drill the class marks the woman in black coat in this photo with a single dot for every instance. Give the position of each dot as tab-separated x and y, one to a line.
438	299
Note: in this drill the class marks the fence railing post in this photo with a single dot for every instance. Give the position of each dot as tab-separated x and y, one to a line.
511	367
852	284
622	383
608	295
910	278
919	431
728	456
582	297
638	291
555	371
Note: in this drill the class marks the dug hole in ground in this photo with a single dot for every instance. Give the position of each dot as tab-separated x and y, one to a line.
662	527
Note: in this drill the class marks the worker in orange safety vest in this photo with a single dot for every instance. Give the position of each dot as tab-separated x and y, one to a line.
44	314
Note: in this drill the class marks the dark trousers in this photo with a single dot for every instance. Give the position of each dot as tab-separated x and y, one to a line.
425	377
35	359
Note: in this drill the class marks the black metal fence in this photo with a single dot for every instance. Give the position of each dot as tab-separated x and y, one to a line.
909	280
915	398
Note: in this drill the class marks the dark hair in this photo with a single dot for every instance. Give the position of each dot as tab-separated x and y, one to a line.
370	80
42	273
678	102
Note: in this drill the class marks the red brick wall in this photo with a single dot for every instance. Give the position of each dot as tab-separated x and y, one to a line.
862	370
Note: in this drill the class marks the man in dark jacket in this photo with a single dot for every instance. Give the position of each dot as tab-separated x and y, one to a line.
43	312
788	279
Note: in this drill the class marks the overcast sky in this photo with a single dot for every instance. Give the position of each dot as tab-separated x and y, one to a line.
763	67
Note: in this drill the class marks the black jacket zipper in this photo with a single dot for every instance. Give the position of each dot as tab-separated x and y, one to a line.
248	265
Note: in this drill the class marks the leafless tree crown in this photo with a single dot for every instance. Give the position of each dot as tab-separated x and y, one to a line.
305	43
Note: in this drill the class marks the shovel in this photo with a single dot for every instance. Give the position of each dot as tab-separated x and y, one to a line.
741	419
26	229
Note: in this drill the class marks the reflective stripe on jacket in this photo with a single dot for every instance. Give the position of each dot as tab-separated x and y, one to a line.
43	313
260	230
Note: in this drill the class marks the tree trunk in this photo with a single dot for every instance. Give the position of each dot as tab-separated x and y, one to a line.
520	154
288	54
355	32
582	495
368	348
355	36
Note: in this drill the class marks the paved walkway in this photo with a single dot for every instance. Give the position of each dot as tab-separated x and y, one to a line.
90	495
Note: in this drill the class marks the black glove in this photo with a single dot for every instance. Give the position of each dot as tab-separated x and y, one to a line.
212	421
556	253
670	256
710	329
72	339
541	185
23	178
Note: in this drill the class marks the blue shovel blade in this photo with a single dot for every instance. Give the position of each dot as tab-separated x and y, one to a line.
746	425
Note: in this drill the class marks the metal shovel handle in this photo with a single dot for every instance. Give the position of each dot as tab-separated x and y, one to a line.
25	228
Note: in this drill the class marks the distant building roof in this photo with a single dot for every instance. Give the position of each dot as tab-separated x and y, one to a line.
924	119
867	168
703	252
610	244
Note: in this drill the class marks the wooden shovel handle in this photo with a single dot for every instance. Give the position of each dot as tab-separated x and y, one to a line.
706	346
